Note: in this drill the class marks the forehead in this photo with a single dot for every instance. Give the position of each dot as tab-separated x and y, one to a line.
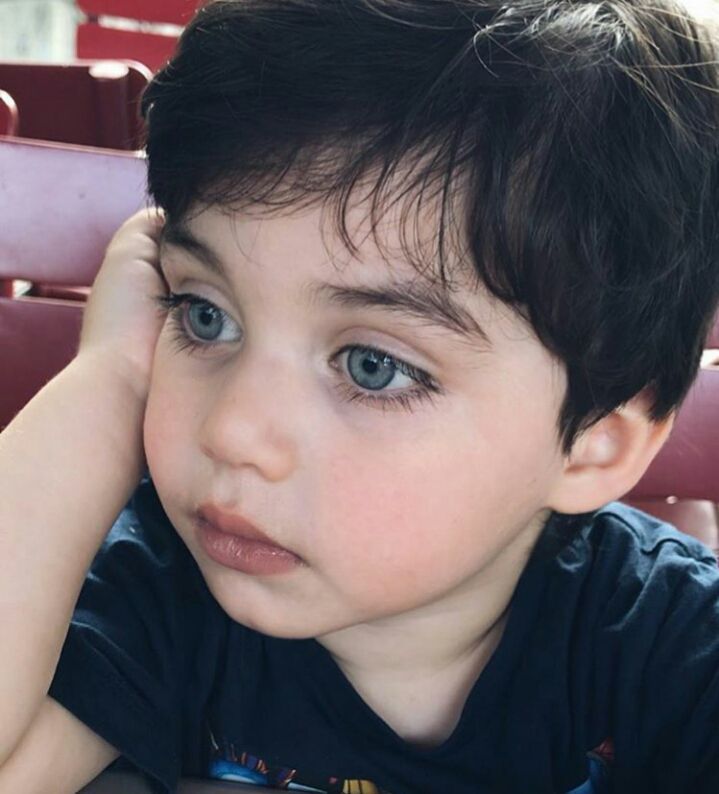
401	240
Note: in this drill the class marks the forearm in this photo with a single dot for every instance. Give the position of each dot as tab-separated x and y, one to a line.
68	464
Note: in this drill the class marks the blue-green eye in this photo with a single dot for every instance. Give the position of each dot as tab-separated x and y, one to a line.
371	369
374	369
205	321
208	323
198	321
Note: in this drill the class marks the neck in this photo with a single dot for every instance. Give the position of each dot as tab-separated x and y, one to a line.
425	642
433	653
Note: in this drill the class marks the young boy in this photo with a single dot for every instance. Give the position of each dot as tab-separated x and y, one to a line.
436	275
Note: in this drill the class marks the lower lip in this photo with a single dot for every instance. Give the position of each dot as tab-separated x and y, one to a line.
245	555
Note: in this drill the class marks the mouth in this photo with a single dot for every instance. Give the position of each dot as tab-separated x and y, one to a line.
234	542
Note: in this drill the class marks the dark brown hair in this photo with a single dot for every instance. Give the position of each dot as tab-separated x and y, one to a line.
573	143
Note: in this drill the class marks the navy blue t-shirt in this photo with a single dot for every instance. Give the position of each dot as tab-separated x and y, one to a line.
606	678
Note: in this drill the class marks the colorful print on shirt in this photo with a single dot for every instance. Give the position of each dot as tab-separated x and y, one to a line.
228	764
245	767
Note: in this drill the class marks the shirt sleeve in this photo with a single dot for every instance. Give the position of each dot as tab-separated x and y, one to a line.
660	639
119	670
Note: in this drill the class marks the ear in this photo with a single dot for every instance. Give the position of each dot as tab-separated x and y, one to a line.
609	458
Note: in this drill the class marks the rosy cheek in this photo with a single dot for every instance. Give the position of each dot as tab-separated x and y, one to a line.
376	514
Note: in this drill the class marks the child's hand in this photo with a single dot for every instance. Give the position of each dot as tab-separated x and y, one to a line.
78	442
122	321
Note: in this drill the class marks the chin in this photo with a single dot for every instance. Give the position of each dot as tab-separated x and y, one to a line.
272	626
269	619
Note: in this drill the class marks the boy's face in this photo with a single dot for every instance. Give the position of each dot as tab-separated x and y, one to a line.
392	494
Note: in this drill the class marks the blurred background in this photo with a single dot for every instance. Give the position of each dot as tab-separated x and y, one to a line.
46	30
38	29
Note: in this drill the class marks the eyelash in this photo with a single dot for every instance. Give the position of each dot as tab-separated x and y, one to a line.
425	391
174	303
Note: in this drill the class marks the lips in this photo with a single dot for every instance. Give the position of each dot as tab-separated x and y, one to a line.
233	524
234	542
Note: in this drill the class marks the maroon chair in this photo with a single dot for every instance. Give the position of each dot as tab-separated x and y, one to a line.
8	127
152	46
177	12
682	484
9	116
60	206
91	103
713	339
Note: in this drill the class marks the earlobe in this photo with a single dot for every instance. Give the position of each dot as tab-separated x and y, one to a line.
609	458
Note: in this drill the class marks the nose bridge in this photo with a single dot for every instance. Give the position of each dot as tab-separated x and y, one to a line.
249	419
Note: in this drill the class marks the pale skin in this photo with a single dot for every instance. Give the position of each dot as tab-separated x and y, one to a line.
85	474
413	525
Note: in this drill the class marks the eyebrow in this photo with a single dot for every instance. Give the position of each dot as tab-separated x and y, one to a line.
179	235
413	298
408	298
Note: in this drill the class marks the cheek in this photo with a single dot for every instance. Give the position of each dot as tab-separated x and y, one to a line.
399	537
411	522
398	530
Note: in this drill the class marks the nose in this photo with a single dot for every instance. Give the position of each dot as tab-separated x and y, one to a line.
249	422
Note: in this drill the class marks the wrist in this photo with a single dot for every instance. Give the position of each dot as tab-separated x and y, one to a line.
113	396
80	438
115	372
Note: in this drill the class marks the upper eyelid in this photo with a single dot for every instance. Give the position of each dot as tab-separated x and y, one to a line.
376	349
178	264
176	300
185	296
179	269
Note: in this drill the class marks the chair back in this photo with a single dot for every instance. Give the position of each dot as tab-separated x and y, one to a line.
151	40
687	467
60	206
9	117
91	103
177	12
713	338
682	484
